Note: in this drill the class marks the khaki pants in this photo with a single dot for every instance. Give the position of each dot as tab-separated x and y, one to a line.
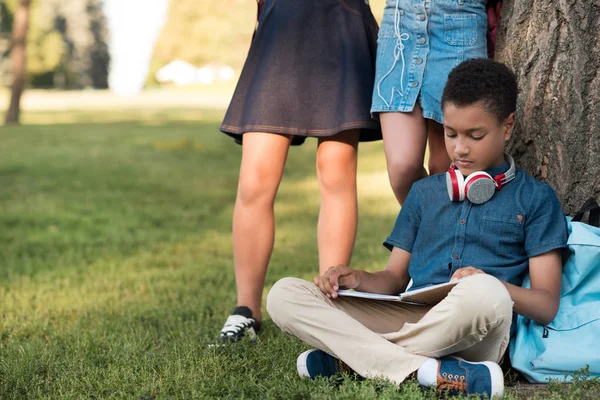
389	339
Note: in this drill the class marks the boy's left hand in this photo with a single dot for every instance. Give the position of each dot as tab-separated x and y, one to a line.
466	271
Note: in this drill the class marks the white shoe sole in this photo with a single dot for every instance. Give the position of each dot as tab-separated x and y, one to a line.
495	373
301	364
250	334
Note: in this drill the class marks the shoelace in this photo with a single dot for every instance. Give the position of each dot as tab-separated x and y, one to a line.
452	382
398	55
235	324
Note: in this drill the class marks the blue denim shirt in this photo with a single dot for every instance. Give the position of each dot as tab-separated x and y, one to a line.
522	220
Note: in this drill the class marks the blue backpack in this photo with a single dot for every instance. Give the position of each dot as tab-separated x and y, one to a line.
572	341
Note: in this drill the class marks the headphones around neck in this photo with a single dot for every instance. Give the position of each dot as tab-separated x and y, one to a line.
479	186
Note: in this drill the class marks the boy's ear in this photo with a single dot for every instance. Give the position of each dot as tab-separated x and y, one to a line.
509	125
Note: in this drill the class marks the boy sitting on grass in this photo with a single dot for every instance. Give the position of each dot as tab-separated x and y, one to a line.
492	238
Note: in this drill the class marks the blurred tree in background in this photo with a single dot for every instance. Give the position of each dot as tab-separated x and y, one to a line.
211	32
6	23
67	39
66	43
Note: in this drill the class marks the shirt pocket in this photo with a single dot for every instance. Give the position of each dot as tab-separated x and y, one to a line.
460	29
501	230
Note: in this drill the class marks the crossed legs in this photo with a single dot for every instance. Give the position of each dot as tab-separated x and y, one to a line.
392	340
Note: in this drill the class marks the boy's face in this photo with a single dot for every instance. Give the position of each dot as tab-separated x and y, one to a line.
474	138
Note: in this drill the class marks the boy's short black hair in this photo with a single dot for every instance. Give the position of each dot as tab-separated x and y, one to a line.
482	80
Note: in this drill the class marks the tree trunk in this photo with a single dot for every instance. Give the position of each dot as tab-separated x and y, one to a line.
18	60
554	48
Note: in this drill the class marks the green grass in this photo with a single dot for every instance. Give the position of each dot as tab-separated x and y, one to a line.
116	265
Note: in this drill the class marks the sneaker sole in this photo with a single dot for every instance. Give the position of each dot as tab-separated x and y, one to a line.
301	364
495	373
250	334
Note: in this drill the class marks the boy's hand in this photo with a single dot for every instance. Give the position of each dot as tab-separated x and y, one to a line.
466	271
336	277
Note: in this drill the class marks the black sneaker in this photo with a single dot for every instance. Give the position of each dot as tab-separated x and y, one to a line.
238	325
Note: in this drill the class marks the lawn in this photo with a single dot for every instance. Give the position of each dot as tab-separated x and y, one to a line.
116	265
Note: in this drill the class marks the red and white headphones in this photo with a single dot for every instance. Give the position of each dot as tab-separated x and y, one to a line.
479	186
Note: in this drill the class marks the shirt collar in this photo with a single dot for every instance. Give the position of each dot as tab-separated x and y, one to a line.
499	169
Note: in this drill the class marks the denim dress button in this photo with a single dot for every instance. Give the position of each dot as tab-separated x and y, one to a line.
414	84
418	60
421	41
422	17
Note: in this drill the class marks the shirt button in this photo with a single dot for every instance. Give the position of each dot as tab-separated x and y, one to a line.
418	60
422	17
421	41
414	84
462	222
455	256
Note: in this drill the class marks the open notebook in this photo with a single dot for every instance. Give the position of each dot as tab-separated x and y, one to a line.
426	296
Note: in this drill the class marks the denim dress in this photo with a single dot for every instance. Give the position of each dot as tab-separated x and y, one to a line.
419	43
309	72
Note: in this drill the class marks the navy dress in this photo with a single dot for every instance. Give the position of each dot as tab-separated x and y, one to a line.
309	72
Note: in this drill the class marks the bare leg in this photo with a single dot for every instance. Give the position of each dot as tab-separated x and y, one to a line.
438	156
263	159
404	141
336	171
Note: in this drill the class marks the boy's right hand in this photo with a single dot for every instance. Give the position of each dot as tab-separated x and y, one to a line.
335	278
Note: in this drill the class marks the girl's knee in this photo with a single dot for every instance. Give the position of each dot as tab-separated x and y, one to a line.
402	169
256	188
402	175
336	171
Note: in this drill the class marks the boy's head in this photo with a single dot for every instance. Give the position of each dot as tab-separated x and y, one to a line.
479	104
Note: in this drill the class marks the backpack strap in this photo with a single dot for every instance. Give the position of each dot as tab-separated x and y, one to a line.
591	206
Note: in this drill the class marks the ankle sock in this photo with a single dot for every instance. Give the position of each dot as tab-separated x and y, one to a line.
427	373
246	312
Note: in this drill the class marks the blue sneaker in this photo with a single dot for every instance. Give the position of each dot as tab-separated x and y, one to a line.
315	363
458	376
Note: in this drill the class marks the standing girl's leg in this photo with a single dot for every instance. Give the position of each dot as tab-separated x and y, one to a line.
404	141
438	156
263	160
338	216
404	138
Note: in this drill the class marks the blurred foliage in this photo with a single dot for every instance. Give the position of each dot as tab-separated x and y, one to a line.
6	20
216	32
67	39
45	46
66	43
213	32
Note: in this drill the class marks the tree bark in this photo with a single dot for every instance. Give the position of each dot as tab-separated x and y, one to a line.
554	48
18	60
